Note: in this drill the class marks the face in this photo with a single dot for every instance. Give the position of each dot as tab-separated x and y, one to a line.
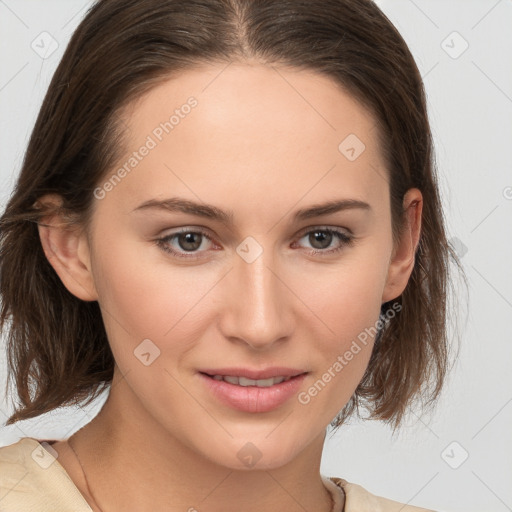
243	282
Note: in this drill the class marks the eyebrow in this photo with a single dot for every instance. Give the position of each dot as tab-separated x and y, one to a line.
176	204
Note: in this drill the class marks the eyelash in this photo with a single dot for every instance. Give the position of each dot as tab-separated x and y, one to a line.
345	239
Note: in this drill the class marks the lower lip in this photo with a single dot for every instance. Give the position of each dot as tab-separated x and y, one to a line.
253	398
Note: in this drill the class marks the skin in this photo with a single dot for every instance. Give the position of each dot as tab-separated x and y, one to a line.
262	142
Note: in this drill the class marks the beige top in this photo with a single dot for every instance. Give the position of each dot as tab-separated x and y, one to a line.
32	480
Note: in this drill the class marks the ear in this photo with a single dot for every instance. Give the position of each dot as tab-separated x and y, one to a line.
67	249
403	257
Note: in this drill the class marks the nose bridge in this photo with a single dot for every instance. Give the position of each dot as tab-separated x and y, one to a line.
257	306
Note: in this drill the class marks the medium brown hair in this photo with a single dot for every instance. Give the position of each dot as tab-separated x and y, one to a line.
57	347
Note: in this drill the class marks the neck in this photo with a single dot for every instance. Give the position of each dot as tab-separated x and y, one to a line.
136	465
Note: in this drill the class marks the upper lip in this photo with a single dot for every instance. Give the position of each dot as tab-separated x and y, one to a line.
248	373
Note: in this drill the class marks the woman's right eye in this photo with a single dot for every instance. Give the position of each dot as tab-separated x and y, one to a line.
186	240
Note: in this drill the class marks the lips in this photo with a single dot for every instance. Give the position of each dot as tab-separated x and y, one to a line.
254	391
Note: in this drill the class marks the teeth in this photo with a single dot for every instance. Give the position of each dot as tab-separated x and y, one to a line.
243	381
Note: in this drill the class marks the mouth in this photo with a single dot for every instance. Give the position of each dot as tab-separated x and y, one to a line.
244	381
252	390
250	377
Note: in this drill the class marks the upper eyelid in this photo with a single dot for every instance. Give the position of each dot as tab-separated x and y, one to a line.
324	227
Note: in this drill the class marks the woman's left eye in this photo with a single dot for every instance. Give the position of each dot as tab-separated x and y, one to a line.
188	240
323	237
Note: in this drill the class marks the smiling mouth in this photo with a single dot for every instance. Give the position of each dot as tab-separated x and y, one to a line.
253	390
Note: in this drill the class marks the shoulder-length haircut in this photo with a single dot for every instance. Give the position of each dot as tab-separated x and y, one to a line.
57	348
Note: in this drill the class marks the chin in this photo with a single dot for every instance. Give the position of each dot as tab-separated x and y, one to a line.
245	455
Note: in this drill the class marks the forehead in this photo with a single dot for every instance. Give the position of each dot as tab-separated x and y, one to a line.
252	126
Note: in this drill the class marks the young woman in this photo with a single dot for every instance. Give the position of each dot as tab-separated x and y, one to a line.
228	213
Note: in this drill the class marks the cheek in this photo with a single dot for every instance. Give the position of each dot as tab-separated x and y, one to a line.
346	303
345	298
144	297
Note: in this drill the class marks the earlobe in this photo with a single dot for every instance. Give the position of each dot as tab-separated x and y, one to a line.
403	258
67	250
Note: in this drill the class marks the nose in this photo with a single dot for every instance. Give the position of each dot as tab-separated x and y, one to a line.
257	309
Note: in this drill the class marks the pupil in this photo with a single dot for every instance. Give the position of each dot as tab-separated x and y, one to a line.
188	238
323	236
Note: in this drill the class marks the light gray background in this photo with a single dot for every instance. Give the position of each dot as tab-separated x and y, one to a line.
470	104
